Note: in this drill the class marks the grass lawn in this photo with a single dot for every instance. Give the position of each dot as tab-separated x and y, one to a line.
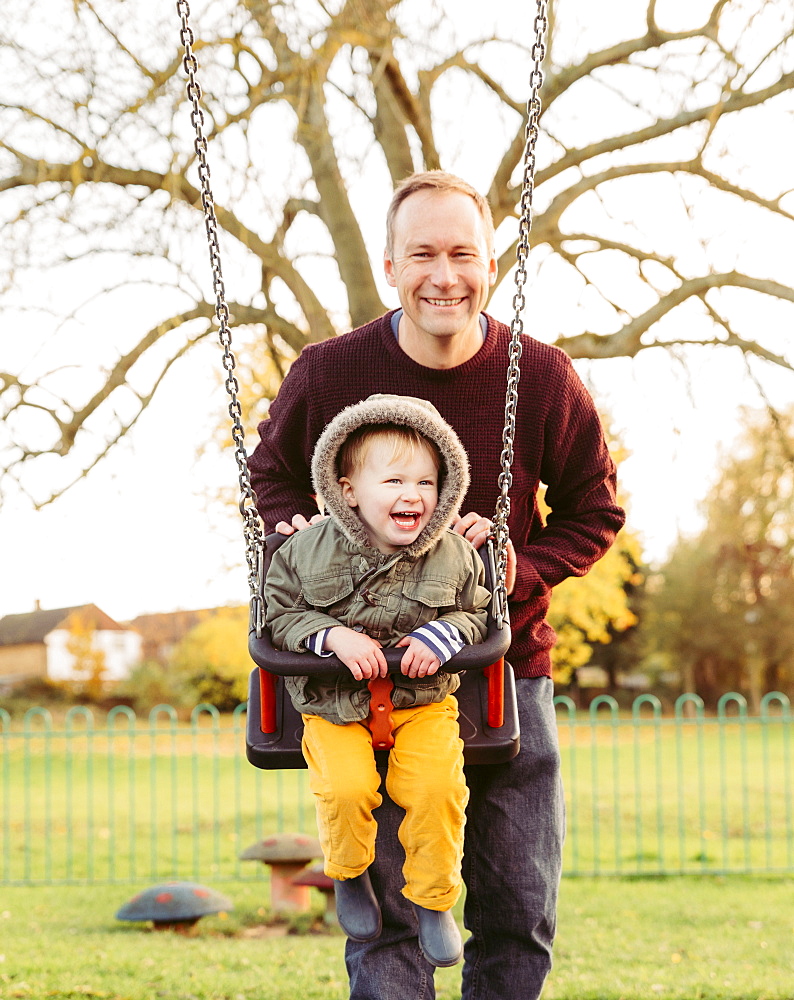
662	939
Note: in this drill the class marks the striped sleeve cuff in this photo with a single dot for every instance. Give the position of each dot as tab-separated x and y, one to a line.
444	639
314	643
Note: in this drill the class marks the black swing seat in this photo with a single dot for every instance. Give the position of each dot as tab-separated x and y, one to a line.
483	743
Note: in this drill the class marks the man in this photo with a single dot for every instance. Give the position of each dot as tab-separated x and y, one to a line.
439	346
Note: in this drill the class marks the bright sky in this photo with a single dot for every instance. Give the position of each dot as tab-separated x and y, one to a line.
137	536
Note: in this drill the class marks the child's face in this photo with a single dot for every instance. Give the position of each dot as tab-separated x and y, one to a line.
394	497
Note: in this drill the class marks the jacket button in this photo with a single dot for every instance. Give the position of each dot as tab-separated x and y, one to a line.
369	598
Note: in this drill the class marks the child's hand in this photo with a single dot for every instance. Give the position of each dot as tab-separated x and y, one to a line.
360	654
419	659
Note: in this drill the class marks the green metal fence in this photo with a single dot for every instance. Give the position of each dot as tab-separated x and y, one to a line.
147	799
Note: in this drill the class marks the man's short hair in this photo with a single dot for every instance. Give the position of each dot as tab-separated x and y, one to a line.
437	180
403	440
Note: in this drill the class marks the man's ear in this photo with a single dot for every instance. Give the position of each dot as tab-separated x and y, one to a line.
388	269
348	493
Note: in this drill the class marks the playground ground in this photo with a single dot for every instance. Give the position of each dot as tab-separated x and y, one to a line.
677	938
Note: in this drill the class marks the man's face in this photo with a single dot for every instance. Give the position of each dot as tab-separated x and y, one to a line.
440	264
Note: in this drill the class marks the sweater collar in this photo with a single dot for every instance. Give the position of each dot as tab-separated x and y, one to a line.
389	341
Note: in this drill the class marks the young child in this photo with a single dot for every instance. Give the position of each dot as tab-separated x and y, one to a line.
383	570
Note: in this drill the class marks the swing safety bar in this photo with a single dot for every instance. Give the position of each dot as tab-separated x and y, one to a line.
289	664
486	697
494	674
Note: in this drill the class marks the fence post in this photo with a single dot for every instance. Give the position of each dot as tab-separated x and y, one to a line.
689	709
724	721
5	730
127	713
595	705
637	721
784	716
571	786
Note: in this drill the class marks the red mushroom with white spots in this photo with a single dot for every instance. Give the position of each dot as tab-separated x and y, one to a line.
315	877
174	905
287	854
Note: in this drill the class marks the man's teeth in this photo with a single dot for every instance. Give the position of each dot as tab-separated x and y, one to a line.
445	302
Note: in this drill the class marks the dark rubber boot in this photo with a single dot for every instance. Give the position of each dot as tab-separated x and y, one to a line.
357	908
439	937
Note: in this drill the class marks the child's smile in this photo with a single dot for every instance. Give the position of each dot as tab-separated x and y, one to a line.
394	495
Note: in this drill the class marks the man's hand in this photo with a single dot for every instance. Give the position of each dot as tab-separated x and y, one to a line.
360	654
476	530
419	659
299	522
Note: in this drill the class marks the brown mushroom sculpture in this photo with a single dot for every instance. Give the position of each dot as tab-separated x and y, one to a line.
287	854
314	876
174	905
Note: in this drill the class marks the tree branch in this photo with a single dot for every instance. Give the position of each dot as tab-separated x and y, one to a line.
737	101
37	172
627	342
389	121
334	205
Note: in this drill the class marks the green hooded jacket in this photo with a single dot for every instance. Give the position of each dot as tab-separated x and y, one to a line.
329	574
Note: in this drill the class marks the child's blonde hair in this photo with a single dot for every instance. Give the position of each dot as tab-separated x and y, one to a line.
402	440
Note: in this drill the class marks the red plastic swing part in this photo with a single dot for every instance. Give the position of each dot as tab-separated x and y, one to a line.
380	720
496	693
267	701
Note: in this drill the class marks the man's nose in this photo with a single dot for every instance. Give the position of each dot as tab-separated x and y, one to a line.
443	274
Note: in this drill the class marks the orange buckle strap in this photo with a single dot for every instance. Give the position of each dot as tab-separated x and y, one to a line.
380	721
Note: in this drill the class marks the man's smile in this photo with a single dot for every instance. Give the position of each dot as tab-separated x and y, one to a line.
445	302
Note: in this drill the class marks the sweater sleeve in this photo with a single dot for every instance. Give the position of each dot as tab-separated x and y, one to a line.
280	463
580	477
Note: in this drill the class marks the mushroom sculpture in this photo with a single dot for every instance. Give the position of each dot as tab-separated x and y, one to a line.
287	854
315	877
174	905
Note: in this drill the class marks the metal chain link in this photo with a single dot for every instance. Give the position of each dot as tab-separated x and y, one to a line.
252	528
500	530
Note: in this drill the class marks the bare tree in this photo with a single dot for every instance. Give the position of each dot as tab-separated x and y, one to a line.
658	192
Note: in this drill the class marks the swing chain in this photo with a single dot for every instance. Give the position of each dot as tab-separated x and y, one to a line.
252	528
534	107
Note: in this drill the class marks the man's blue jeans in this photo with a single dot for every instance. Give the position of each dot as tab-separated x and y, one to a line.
511	865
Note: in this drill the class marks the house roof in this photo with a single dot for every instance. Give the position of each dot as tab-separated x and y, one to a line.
35	626
170	626
164	630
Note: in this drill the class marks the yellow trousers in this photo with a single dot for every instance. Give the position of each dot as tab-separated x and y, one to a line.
425	778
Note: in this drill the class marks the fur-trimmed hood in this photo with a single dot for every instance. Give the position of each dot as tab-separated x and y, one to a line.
406	411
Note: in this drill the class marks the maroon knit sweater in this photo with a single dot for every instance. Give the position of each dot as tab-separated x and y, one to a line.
559	442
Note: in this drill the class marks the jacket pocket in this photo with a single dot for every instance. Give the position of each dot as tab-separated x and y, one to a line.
328	593
423	601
